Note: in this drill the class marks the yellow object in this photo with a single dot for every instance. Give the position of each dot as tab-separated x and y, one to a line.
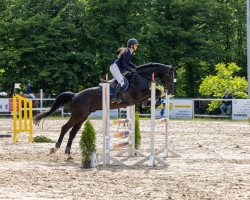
22	117
163	106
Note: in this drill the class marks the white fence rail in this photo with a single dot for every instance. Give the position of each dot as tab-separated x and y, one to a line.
179	108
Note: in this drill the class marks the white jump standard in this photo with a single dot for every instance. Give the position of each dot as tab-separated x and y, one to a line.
153	155
166	151
107	147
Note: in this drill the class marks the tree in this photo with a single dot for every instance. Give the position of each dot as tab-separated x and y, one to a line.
215	85
62	45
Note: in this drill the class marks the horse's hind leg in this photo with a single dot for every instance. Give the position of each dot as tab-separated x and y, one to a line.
64	130
72	135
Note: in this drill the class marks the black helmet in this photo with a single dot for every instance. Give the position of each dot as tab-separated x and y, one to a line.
132	41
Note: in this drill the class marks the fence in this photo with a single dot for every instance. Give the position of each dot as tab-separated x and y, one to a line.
22	117
179	108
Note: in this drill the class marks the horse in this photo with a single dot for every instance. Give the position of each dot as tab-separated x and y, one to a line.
82	104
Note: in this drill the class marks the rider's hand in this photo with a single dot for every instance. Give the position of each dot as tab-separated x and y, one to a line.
132	70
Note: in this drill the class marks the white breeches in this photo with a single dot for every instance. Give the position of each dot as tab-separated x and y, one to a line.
115	71
31	95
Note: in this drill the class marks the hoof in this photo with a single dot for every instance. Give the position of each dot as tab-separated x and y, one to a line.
69	157
53	150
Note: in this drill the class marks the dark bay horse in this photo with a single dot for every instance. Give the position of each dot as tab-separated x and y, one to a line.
82	104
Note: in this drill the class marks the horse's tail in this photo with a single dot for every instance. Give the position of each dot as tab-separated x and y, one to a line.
60	101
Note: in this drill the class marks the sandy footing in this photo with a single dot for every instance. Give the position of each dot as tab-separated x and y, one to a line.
214	164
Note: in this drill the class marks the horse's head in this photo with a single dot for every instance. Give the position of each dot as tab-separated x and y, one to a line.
167	78
163	72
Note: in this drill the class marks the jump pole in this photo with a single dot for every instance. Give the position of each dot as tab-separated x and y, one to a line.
131	149
153	156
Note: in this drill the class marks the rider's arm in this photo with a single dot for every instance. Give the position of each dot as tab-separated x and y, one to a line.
126	60
132	65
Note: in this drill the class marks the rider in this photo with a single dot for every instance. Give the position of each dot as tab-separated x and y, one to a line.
123	64
29	92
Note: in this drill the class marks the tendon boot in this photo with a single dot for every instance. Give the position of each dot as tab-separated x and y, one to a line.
115	97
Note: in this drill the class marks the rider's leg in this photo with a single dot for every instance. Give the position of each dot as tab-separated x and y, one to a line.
229	108
31	95
222	109
114	69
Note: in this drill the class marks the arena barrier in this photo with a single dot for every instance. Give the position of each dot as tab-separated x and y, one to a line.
154	155
22	117
129	132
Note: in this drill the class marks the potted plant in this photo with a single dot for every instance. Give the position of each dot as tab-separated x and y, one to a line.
87	144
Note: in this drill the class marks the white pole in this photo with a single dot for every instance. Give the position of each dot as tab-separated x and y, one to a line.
165	153
248	48
152	144
106	121
41	100
133	126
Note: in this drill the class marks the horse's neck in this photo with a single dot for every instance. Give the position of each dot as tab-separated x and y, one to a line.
149	72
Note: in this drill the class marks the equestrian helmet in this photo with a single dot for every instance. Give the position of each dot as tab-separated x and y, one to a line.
132	41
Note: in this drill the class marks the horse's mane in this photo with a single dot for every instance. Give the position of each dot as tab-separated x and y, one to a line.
149	65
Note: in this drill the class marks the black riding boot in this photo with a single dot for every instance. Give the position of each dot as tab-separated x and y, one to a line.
115	97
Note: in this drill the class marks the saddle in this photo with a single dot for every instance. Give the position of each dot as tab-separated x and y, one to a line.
113	83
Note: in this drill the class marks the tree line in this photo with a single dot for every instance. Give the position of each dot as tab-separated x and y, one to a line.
62	45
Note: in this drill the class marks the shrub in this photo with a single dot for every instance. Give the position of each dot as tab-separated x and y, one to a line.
43	139
87	141
137	131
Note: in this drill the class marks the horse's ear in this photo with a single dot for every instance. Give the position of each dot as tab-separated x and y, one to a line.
173	68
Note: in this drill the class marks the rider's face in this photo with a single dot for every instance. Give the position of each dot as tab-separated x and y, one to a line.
135	46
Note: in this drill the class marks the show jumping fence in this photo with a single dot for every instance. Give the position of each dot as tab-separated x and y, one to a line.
154	156
107	146
22	117
129	132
